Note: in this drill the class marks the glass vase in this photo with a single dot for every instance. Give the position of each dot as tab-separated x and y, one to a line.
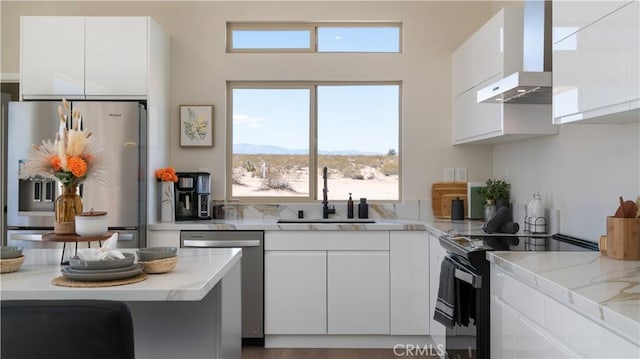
67	205
489	210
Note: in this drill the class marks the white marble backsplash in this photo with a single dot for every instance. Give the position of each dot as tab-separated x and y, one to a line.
410	210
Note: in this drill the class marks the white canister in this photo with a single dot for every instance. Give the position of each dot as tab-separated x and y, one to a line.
91	224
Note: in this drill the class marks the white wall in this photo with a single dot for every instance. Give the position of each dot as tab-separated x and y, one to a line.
581	172
200	68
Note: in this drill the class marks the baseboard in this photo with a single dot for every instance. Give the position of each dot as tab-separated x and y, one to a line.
346	341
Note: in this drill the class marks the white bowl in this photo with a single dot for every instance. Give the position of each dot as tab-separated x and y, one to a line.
91	224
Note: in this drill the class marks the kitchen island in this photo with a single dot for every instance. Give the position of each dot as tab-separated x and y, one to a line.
191	312
564	304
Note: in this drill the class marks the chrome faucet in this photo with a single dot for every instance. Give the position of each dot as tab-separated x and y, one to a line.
326	210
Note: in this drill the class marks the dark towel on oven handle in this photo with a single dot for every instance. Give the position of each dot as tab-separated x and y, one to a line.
465	303
445	305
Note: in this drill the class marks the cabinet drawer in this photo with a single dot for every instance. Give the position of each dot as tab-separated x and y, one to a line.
526	300
591	340
327	240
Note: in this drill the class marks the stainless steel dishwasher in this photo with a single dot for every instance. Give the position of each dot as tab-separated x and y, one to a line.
252	244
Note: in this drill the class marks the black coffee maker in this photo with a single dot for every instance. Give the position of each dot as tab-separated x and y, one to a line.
193	191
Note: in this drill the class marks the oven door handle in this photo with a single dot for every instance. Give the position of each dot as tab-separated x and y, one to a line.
473	279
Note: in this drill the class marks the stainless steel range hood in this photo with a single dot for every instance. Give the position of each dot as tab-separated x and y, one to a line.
533	84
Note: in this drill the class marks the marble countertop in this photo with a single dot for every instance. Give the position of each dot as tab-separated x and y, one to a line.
603	289
196	273
436	226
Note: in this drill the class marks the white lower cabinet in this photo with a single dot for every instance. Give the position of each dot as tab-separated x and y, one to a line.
526	323
436	255
514	336
357	292
295	292
327	282
409	256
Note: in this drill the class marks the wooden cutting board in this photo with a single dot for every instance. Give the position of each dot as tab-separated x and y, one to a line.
442	193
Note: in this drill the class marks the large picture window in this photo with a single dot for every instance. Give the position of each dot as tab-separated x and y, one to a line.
282	135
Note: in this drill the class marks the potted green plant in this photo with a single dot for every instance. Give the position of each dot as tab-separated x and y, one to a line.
496	194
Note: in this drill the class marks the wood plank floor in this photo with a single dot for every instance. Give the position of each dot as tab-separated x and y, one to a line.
322	353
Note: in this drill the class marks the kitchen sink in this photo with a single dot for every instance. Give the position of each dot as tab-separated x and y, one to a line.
323	220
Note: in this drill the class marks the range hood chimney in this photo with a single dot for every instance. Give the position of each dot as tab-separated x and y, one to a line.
533	84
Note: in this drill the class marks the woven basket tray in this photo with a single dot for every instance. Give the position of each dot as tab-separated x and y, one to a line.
11	264
159	265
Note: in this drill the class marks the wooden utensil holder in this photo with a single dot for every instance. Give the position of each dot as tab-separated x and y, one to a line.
623	238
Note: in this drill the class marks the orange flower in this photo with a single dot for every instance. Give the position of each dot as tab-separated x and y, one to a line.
166	177
77	166
166	174
56	163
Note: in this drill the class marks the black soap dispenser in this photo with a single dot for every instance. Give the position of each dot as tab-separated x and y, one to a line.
363	208
350	207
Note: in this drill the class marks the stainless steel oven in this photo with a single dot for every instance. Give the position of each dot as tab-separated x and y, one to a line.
252	244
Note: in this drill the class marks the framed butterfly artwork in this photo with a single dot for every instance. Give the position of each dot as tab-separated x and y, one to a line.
196	125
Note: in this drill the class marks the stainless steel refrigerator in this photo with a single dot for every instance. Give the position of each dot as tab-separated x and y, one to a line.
121	127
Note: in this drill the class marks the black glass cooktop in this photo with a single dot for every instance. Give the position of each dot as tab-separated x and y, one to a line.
472	247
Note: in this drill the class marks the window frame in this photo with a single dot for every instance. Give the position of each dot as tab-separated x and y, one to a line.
313	136
312	27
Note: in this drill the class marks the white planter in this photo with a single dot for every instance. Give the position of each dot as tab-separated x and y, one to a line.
166	201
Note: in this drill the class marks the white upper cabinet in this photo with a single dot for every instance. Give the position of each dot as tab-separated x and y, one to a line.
595	74
492	52
85	57
479	57
633	54
52	56
116	56
571	16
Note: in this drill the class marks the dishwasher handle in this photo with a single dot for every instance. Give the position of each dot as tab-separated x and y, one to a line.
26	237
220	244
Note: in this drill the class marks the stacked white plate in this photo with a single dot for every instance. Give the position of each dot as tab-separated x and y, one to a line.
102	270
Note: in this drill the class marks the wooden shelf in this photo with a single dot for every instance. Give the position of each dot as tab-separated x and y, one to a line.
53	237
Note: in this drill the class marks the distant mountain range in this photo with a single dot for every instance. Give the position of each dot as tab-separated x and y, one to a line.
250	149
